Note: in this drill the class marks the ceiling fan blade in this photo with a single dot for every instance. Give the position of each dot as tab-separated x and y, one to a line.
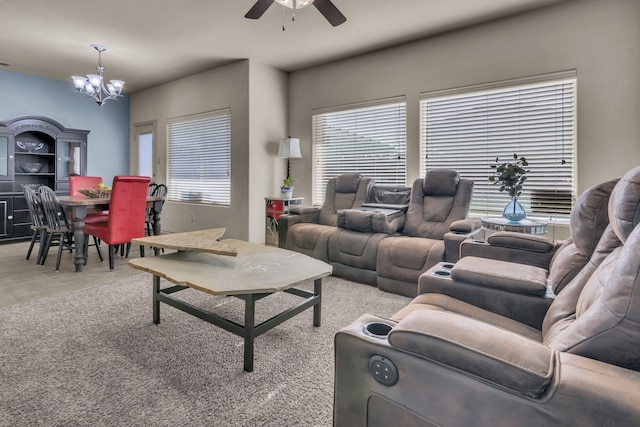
330	12
258	9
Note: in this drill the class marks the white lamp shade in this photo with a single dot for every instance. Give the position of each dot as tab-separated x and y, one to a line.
95	80
79	81
290	148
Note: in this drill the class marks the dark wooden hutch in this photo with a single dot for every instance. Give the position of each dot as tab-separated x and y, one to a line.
35	150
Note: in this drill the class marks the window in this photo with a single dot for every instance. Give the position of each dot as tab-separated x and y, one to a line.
367	138
200	158
467	129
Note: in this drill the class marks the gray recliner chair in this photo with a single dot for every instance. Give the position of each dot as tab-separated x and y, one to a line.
434	226
306	229
441	361
524	289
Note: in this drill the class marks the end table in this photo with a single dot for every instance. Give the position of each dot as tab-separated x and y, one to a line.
276	206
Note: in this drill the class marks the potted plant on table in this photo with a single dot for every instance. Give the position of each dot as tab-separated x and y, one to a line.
511	177
287	187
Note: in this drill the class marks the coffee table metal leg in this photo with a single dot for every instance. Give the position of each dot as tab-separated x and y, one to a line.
249	332
156	301
317	309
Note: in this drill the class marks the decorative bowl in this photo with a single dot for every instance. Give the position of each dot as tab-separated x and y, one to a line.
31	167
30	145
95	193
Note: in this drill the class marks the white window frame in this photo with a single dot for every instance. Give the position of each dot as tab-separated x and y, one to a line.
368	137
467	128
199	158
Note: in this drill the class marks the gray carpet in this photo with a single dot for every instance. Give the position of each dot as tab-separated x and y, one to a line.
93	357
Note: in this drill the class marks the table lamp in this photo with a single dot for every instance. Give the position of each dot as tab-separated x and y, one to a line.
289	148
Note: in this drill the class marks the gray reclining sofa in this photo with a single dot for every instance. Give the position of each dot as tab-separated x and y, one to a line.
384	236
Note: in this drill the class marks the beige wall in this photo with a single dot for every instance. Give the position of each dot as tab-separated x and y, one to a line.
268	124
598	38
224	87
256	95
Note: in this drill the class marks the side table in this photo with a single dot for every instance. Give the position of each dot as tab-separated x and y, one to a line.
498	223
276	206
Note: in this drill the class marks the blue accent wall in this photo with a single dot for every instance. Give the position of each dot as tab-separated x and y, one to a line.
108	139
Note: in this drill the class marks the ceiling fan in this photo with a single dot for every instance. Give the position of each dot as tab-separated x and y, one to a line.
326	8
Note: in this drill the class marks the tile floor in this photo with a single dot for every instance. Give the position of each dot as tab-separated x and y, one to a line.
23	280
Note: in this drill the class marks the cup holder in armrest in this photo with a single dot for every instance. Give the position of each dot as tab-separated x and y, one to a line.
377	329
442	273
447	265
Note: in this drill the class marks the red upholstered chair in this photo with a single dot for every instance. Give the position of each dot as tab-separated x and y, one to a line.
126	214
76	182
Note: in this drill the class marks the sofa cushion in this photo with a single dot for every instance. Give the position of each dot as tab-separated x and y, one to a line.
405	258
306	235
441	182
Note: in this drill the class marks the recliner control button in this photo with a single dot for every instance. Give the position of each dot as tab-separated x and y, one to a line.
383	370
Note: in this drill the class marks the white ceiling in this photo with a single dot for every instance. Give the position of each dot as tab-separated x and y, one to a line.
155	41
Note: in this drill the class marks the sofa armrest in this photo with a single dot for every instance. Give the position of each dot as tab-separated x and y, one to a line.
503	275
371	220
305	210
466	225
513	247
522	241
583	391
482	350
297	214
454	239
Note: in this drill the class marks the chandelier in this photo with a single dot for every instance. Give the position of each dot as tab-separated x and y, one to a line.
93	84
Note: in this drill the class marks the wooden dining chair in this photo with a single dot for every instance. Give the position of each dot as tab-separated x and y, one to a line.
158	190
127	210
38	221
57	225
77	182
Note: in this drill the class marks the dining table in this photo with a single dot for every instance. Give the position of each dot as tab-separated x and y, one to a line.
80	205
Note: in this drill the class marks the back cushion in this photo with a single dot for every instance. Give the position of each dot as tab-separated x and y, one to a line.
347	191
348	182
430	215
607	317
589	218
441	182
562	310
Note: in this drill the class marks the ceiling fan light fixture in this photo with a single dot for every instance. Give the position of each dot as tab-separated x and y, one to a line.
295	4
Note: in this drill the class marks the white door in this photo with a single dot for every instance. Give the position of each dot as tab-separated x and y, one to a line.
143	151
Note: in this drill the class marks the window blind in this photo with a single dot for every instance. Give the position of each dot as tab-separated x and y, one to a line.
199	163
467	129
367	138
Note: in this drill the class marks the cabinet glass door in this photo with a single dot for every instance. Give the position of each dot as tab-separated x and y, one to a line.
69	159
4	157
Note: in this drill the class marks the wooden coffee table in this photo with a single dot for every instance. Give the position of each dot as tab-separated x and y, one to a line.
231	267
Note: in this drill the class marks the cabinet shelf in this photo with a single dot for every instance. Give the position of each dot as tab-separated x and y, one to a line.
26	153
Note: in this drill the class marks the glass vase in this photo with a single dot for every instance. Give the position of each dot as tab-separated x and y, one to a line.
514	212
